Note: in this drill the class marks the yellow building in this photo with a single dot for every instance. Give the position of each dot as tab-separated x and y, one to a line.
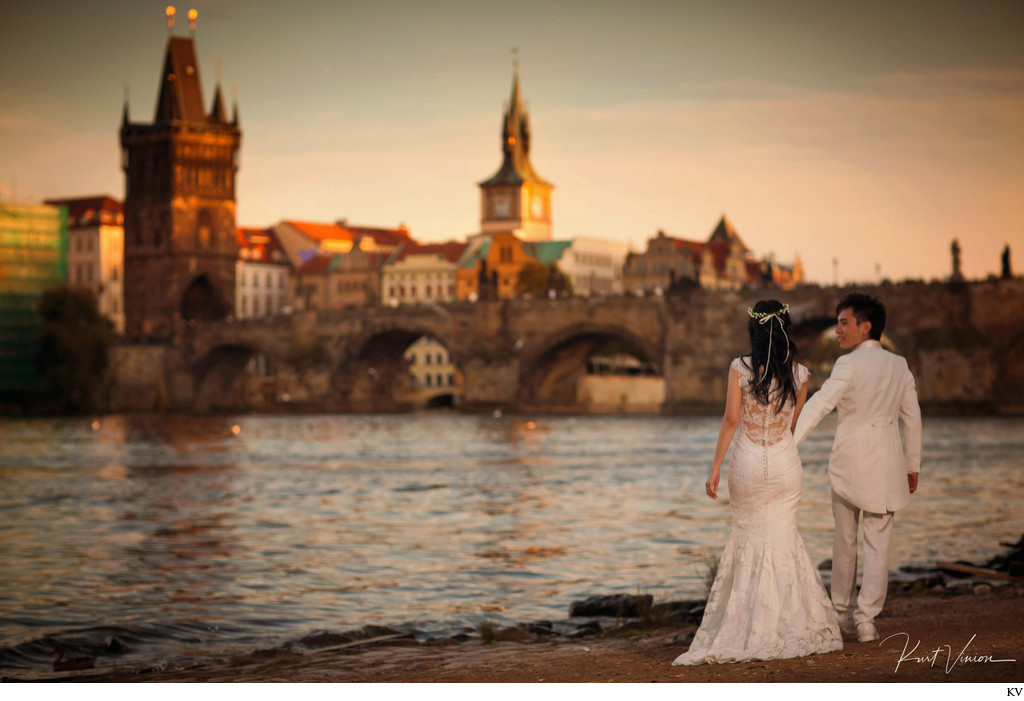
491	266
435	380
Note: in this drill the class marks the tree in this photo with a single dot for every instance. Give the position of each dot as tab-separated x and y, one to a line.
74	346
538	279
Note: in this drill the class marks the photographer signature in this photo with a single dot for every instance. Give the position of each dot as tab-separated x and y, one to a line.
933	656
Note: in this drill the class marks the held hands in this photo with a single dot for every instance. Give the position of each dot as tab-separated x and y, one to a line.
912	481
711	486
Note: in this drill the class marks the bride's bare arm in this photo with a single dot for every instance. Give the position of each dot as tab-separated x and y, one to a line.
725	433
801	397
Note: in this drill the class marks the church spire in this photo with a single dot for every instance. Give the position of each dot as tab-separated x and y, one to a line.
515	141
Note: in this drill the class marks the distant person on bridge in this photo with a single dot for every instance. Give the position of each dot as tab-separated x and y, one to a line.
871	473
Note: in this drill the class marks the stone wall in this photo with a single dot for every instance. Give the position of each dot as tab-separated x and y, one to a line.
612	394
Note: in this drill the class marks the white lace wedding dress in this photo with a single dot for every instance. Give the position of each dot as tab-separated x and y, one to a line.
767	601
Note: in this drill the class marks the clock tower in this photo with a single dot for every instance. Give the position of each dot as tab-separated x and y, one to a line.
516	198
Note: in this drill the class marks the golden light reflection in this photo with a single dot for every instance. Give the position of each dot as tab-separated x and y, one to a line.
113	472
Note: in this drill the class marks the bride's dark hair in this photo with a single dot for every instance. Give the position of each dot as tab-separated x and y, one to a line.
772	370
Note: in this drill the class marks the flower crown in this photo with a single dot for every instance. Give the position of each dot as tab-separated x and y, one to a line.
764	316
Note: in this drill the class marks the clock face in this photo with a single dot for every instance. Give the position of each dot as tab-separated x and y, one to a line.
537	207
501	207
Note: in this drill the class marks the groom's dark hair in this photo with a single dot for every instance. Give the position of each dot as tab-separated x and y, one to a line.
865	308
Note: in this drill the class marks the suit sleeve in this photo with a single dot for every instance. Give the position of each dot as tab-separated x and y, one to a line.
910	413
824	400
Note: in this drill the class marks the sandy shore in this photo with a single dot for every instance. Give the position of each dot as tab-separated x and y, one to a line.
969	629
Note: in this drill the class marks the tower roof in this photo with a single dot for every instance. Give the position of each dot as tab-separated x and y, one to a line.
515	167
725	232
218	114
181	95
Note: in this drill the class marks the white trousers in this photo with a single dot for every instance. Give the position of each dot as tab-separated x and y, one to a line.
865	606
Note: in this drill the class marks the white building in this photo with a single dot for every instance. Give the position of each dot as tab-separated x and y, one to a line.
594	266
419	273
262	275
96	251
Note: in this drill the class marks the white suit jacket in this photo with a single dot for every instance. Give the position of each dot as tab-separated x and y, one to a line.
872	389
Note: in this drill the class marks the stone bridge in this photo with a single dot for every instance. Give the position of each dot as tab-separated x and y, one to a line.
964	342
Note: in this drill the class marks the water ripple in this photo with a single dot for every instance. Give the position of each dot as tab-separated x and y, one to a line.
159	539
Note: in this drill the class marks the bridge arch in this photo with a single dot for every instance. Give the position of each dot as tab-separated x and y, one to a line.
203	300
555	375
399	369
234	376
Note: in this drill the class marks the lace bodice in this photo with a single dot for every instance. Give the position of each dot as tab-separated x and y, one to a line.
760	423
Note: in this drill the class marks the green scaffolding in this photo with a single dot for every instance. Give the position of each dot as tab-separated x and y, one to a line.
33	257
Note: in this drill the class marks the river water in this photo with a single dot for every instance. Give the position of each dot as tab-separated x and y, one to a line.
157	540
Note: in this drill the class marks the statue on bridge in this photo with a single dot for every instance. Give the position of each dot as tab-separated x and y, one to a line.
1007	272
958	275
487	283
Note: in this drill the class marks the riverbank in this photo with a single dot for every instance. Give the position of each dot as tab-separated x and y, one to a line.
972	624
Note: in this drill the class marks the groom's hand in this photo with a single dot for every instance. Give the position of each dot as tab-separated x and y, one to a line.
912	481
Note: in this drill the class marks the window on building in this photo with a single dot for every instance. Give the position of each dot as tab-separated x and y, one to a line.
88	243
255	280
440	380
281	281
256	306
426	380
426	358
245	306
114	273
411	358
270	282
451	379
88	272
440	359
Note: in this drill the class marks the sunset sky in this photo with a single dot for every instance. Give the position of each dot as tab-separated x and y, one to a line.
870	132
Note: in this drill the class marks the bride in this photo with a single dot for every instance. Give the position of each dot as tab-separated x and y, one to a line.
767	601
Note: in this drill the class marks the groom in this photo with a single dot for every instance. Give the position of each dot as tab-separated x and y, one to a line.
871	473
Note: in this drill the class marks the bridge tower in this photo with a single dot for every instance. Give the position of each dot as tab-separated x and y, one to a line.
516	198
179	207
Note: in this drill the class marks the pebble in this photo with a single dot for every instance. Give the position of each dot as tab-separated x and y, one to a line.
981	589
